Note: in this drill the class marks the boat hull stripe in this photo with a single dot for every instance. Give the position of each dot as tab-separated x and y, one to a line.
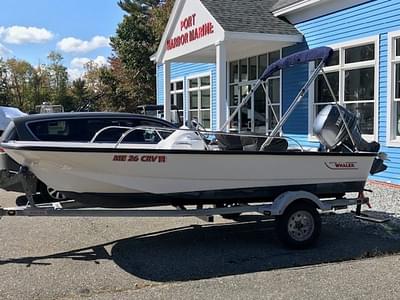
189	152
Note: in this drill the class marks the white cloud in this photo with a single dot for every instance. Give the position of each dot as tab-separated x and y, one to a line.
79	62
77	65
101	61
22	35
71	44
4	52
74	74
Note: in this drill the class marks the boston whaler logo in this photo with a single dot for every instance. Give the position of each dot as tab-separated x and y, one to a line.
339	165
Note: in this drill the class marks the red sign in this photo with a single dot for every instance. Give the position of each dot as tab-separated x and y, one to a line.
193	34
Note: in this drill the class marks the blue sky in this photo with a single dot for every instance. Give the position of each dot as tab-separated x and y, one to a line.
78	29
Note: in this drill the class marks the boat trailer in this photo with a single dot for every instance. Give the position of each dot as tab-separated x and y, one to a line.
296	212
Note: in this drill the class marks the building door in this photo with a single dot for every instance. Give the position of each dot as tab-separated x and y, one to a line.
259	115
243	120
260	108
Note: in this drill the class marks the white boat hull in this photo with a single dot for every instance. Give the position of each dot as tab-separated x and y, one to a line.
182	175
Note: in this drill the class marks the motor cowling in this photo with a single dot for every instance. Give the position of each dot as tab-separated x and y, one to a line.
330	129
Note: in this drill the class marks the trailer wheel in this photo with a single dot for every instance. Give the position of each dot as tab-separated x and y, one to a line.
299	226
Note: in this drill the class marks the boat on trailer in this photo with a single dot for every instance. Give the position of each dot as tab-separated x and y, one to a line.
196	167
181	167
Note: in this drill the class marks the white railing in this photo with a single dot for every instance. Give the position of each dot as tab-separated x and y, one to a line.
159	130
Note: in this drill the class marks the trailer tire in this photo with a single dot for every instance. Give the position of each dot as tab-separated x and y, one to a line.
300	225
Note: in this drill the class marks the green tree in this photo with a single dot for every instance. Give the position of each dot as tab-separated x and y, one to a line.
21	73
106	87
159	18
40	84
5	98
80	93
137	38
59	81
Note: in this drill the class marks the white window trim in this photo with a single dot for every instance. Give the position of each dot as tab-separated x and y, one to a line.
311	98
353	43
391	140
187	91
253	81
177	79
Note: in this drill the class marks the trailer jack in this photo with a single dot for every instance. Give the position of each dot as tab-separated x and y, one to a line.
363	216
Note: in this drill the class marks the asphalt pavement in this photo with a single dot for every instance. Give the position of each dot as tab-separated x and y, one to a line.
185	258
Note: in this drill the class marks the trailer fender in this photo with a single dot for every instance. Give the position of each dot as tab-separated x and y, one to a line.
283	201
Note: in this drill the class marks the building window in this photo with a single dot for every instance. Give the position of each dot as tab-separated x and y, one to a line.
200	100
260	115
394	87
177	96
352	75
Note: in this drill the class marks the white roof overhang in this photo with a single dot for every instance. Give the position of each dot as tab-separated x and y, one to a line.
192	34
309	9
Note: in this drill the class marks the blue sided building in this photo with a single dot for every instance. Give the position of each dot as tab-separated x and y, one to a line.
212	52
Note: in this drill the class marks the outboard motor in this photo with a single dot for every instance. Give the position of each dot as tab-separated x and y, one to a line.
332	134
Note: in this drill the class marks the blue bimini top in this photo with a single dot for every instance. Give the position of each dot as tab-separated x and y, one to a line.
321	53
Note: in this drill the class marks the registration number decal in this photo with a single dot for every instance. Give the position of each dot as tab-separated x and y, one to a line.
140	158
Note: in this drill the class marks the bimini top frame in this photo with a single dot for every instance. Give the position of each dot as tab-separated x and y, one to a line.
321	55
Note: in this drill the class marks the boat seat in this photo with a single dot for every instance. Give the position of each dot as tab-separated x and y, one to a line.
229	142
136	136
255	143
235	142
277	145
249	143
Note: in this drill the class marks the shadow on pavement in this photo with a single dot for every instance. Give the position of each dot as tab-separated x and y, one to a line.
200	252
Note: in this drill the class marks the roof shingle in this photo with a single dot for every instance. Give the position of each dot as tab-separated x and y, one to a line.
253	16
